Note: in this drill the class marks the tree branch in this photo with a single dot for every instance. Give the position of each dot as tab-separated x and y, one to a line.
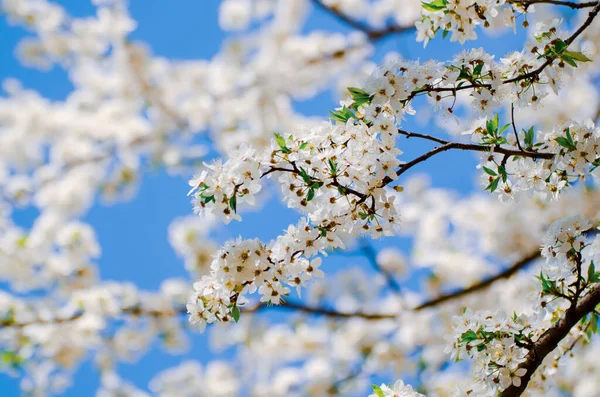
292	306
448	145
372	257
527	3
372	34
509	272
550	339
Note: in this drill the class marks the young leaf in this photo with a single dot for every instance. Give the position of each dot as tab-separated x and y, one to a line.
568	60
529	136
233	203
560	46
493	185
592	275
577	56
332	165
504	127
489	171
564	142
280	140
235	313
435	5
377	390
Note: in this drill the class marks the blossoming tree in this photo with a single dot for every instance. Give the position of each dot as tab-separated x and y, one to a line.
497	295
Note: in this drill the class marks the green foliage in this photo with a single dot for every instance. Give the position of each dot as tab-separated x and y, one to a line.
377	390
281	141
549	287
343	115
494	132
592	275
233	203
435	5
235	313
359	97
566	141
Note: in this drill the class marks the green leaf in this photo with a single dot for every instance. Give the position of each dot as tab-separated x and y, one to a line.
564	142
548	286
569	137
303	145
468	336
477	70
502	172
435	5
492	125
304	175
445	33
489	171
560	46
233	203
569	60
592	275
332	165
343	115
235	313
360	95
493	185
377	390
529	137
208	199
280	140
311	194
578	56
504	127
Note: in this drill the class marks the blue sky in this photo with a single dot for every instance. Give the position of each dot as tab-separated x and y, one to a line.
133	235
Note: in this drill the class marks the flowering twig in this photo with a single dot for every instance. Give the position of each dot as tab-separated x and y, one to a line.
550	339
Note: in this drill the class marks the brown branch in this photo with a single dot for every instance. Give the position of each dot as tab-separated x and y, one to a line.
448	145
512	121
575	6
551	338
509	272
372	34
138	311
371	255
292	306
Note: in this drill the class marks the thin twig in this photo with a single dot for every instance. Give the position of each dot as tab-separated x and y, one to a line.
372	257
372	34
512	119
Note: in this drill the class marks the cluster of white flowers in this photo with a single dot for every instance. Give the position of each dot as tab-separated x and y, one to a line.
398	390
460	18
498	343
577	154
